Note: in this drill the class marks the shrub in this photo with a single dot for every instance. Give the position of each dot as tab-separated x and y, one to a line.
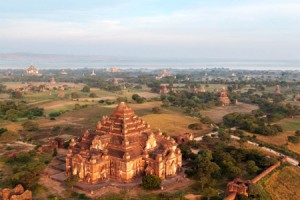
71	181
101	101
93	95
54	114
122	99
74	95
137	98
206	120
30	126
68	128
294	139
86	89
54	152
151	182
156	110
195	126
56	128
138	87
2	130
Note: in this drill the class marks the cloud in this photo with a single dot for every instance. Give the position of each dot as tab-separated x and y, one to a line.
207	29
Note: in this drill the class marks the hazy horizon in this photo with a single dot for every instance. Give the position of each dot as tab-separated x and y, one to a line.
55	61
153	29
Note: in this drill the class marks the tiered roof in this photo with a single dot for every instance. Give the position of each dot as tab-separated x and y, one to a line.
125	129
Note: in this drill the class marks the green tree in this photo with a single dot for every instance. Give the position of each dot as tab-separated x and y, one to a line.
54	152
71	181
195	126
156	110
294	139
251	167
30	125
93	95
151	182
74	95
11	114
86	89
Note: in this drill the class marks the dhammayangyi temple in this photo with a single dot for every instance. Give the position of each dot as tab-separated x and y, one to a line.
122	147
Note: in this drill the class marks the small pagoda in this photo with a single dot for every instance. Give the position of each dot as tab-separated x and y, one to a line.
116	82
93	73
202	88
164	90
224	100
52	81
195	89
277	90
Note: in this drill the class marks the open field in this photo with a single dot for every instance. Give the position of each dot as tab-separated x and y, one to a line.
284	184
170	121
217	113
15	85
290	124
84	118
172	124
61	105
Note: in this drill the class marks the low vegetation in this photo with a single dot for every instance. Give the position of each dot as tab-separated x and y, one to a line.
151	182
251	123
26	168
12	110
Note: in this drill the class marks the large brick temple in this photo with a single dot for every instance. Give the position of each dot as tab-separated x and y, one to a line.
122	147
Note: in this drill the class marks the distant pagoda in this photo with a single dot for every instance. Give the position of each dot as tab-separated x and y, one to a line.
116	82
224	100
164	90
32	71
195	89
277	89
93	73
202	89
122	147
63	72
164	73
52	81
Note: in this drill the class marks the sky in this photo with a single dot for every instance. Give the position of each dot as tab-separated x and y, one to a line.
172	29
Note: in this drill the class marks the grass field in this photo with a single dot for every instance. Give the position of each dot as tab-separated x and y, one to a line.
170	121
172	124
61	105
217	113
290	124
284	184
